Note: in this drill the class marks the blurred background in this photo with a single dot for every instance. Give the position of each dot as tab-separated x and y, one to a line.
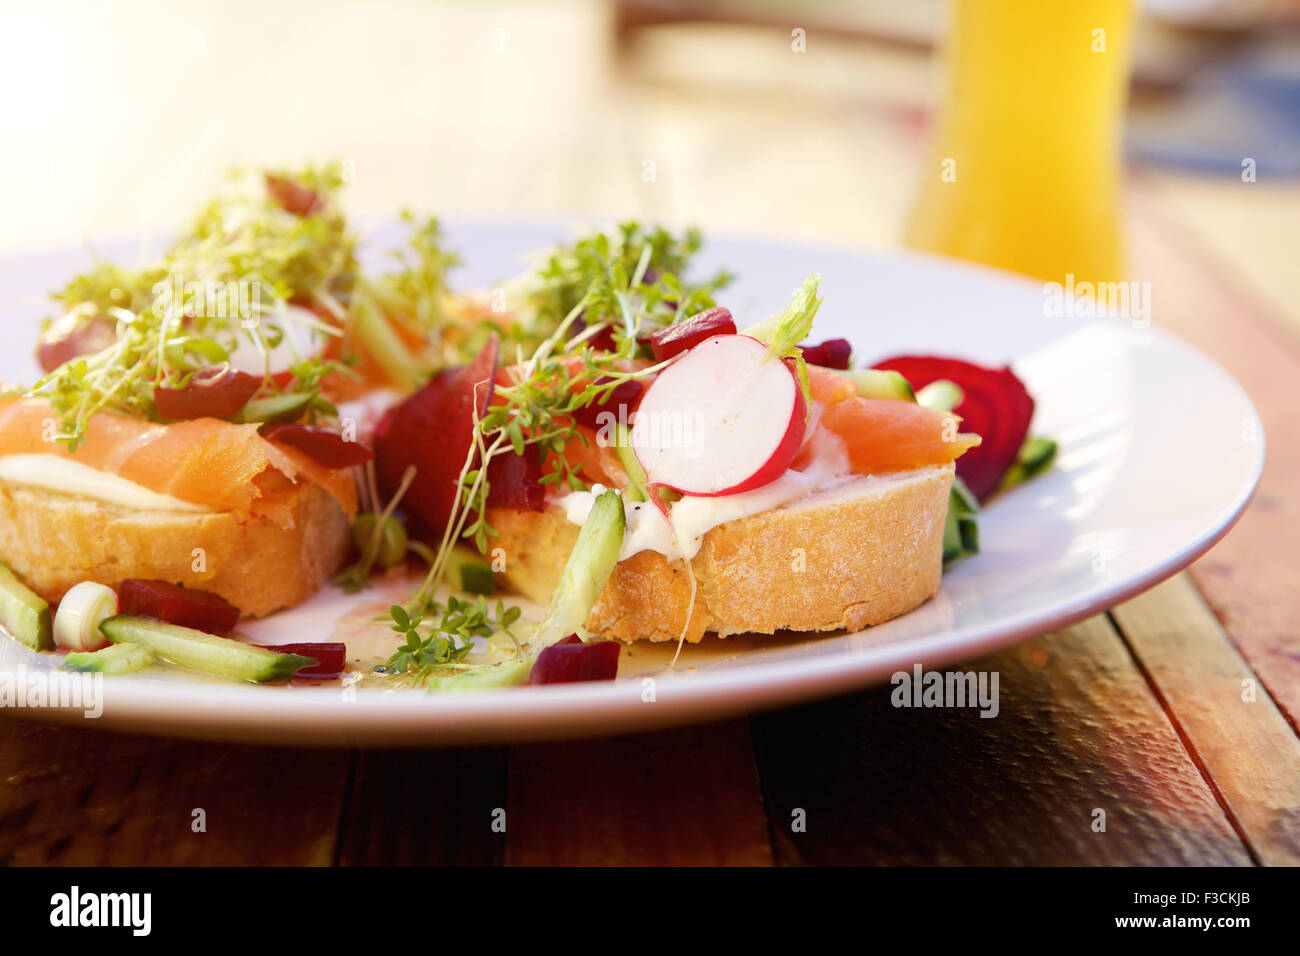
820	120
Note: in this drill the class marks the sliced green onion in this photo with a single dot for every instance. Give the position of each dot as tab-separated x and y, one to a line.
82	610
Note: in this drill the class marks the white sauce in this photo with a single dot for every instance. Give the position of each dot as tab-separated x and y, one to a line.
681	534
69	477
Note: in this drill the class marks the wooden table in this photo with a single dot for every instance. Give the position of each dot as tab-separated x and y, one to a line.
1174	713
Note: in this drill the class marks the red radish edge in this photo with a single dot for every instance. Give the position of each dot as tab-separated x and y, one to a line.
777	449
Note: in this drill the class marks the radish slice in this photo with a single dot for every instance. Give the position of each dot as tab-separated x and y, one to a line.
726	417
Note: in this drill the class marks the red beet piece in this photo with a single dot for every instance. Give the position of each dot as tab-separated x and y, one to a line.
514	481
330	657
188	607
213	392
293	197
325	447
673	339
602	341
624	395
87	338
833	353
571	661
433	430
995	406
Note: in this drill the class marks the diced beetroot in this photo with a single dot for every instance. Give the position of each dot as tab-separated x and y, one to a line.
515	481
213	392
602	341
673	339
87	338
571	661
995	406
625	394
833	353
325	447
293	197
331	657
433	430
175	604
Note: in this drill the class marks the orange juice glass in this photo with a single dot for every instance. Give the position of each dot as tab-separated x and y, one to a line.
1026	170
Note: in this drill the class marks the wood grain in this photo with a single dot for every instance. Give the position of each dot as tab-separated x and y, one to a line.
71	796
682	797
1234	729
1078	730
424	808
1249	578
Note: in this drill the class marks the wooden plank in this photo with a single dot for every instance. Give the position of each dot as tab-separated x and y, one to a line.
1234	729
1078	729
424	808
1249	577
681	798
72	796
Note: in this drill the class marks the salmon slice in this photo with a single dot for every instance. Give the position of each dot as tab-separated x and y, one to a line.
883	435
203	461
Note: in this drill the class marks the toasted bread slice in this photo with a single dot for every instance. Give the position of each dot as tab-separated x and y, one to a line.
848	557
52	541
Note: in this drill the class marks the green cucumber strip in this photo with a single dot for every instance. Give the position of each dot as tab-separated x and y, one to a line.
186	647
636	491
941	395
115	659
585	573
24	613
1035	457
274	408
482	676
879	383
960	531
385	345
468	571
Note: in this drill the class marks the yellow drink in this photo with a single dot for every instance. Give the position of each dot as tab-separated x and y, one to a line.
1026	165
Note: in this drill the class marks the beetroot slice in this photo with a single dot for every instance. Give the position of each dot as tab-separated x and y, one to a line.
673	339
571	661
327	448
175	604
330	657
833	353
514	481
212	392
433	430
995	406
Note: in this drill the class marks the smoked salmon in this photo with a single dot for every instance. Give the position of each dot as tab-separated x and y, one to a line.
204	461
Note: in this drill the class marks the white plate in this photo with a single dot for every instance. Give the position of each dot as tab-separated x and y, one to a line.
1160	453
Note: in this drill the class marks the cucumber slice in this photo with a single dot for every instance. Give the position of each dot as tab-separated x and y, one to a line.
505	674
114	659
385	346
880	383
942	395
589	566
1035	457
275	409
960	530
24	613
636	491
469	572
198	651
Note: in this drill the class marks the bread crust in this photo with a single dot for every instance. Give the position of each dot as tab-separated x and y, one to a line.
842	559
52	541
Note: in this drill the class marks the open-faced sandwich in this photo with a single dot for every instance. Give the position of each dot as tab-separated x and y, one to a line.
223	430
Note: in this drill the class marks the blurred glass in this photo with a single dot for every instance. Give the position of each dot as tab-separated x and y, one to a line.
1026	167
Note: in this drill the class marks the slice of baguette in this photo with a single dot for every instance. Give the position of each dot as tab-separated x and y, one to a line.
845	558
51	541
